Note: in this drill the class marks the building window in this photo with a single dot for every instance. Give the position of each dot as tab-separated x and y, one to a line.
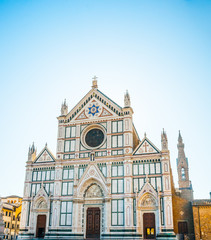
69	156
117	170
138	169
70	132
117	141
44	175
67	188
81	170
117	185
138	183
49	188
84	155
68	173
146	168
35	187
117	212
152	168
158	168
103	169
159	185
117	152
69	146
66	213
101	154
183	173
117	126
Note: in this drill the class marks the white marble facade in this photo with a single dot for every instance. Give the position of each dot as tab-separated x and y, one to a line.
102	171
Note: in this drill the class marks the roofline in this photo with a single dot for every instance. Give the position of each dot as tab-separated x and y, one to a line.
108	98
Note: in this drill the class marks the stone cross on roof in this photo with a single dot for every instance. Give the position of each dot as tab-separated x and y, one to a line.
94	82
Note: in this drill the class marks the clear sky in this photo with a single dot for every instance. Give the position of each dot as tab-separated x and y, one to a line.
160	50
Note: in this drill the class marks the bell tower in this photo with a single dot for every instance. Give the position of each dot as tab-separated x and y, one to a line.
185	185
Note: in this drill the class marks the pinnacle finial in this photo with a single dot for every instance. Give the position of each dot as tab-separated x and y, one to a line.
94	82
164	141
127	99
64	108
180	137
145	134
46	144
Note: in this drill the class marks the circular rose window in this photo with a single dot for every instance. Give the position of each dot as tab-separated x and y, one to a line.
94	137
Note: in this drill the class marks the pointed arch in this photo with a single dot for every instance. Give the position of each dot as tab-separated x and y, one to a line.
88	183
93	190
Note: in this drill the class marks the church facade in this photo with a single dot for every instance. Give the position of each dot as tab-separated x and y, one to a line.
104	181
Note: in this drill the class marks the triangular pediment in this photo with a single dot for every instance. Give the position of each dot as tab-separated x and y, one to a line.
146	147
45	156
147	189
41	199
41	193
94	109
94	105
92	174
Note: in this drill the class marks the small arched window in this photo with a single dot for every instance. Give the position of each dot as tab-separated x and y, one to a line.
183	173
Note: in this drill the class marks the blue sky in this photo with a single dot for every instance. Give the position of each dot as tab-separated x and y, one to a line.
159	50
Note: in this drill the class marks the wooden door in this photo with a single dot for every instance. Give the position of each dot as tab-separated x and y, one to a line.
93	223
41	223
149	225
182	227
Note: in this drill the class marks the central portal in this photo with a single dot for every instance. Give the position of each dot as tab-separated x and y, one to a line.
93	223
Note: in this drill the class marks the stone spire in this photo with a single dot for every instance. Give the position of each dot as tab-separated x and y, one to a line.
127	99
180	146
64	108
183	171
164	141
94	83
32	152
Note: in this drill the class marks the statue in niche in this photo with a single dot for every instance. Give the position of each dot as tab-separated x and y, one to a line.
148	201
93	191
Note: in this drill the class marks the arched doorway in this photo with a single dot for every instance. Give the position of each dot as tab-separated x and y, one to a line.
93	199
41	225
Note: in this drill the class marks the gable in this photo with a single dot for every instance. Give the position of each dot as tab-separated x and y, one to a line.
94	109
94	105
45	156
146	147
91	175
